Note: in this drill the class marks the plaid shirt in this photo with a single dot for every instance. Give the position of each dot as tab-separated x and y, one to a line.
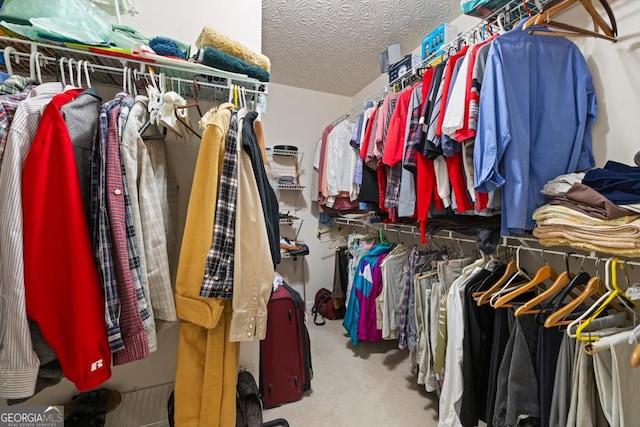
135	264
136	346
15	84
218	277
404	331
8	106
102	244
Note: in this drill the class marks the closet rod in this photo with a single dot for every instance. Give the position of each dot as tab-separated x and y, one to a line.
504	241
510	8
118	71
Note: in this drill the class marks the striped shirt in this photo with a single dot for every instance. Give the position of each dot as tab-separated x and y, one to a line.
218	277
19	363
8	106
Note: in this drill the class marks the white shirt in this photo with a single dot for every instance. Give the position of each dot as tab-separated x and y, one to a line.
341	159
19	363
454	115
451	396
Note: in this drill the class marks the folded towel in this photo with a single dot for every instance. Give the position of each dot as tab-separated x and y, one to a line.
166	47
217	40
223	61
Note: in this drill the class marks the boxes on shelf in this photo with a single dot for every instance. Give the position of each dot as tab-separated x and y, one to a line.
434	41
481	8
400	68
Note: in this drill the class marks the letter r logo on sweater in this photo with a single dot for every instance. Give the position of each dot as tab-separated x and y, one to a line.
97	365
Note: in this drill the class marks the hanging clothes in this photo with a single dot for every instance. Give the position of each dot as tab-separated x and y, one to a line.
19	361
64	299
560	130
204	349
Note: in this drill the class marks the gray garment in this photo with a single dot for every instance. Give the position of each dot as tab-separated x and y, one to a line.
407	200
423	284
616	380
448	272
393	278
81	116
585	406
585	409
517	398
561	400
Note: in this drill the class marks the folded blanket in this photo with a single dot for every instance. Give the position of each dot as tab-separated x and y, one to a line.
223	61
585	199
552	212
588	246
217	40
612	239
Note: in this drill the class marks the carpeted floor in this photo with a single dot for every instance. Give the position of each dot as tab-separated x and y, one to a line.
364	385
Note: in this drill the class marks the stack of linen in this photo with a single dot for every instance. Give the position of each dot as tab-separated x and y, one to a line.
598	210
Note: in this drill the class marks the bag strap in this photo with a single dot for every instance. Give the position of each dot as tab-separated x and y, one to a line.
315	318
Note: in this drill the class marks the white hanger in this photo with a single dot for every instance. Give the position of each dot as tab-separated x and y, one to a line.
244	96
79	73
231	89
86	73
500	23
594	306
34	66
70	66
507	286
124	80
7	58
61	63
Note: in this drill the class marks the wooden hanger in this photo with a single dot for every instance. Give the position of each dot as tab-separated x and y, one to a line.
564	279
594	288
543	274
485	296
602	28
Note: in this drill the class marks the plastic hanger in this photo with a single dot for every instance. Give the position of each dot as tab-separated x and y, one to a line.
7	58
477	263
62	71
34	66
70	70
383	238
614	292
512	273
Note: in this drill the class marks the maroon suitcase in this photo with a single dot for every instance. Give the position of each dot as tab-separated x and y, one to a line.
285	353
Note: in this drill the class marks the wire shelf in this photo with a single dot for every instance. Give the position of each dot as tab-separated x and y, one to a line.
297	187
107	66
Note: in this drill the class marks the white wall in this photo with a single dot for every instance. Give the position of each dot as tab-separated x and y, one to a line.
184	19
297	117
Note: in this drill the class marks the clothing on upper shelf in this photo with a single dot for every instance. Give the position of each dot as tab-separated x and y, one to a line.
578	215
456	138
517	127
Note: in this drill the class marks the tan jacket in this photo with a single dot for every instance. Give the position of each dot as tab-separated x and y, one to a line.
198	231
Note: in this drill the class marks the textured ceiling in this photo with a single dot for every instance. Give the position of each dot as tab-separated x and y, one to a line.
333	45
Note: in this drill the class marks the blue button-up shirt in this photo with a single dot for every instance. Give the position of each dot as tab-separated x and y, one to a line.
536	109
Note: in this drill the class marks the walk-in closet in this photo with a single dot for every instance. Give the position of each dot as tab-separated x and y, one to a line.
319	213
